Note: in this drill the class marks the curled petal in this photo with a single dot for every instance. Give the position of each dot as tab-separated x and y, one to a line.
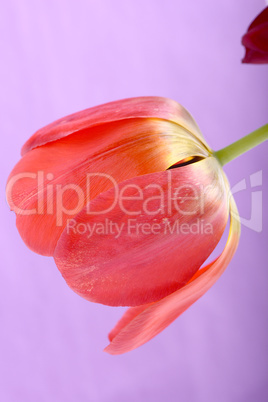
140	324
132	108
256	40
148	243
50	183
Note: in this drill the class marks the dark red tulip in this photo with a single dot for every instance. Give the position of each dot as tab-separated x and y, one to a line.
256	40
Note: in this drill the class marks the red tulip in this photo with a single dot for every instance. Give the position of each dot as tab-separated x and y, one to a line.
95	191
256	40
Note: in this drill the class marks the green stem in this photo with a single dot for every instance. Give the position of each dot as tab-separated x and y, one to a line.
243	145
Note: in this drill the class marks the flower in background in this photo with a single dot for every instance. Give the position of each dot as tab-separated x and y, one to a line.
256	40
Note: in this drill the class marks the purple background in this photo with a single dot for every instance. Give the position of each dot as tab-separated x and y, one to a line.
61	56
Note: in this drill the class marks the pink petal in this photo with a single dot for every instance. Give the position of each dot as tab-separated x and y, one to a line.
143	107
38	185
141	265
140	324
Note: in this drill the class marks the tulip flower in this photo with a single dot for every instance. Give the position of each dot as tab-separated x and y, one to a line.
256	40
130	201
